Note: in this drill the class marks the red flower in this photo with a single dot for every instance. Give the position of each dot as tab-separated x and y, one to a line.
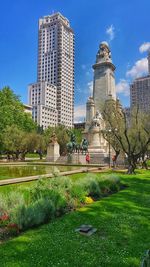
4	217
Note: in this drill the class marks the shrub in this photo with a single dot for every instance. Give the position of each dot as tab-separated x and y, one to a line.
42	210
62	184
13	229
4	219
38	190
49	198
78	192
109	183
91	186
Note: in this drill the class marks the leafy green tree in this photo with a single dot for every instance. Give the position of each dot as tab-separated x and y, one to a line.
133	136
78	134
12	113
13	139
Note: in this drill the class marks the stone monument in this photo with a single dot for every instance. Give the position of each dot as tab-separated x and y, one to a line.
53	149
103	89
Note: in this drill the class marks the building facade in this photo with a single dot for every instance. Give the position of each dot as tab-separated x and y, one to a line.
43	99
27	109
140	91
56	65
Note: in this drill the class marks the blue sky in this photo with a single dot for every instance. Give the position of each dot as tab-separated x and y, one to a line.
124	24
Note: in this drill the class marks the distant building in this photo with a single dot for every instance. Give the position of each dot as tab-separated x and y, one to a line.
79	125
42	97
127	111
27	109
140	91
55	67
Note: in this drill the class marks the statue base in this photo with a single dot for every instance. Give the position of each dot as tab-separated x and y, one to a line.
53	152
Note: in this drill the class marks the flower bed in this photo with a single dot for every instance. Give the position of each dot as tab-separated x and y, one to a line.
50	198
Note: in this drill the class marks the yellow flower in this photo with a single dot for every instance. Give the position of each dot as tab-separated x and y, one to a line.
88	200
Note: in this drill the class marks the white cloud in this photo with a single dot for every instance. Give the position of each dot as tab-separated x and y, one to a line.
144	47
110	31
79	113
140	68
90	87
122	87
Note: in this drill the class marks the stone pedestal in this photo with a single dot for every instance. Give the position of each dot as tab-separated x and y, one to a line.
53	152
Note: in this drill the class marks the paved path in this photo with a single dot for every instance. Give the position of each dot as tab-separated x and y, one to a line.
32	178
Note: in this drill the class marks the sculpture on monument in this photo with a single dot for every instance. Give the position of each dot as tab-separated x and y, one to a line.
84	146
104	53
96	121
53	138
73	146
53	149
103	89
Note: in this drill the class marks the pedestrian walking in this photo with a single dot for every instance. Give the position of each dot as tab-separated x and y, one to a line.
87	158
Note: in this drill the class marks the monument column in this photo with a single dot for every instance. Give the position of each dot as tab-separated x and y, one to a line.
104	80
103	89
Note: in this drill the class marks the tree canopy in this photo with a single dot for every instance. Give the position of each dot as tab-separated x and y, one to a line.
131	134
12	112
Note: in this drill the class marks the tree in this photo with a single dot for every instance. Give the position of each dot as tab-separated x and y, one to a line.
133	136
13	141
12	112
17	143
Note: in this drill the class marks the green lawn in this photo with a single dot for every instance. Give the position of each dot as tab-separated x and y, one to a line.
122	237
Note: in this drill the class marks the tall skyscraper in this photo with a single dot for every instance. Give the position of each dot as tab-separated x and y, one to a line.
140	91
56	64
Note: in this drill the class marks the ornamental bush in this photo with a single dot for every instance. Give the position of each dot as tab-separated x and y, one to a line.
91	186
50	198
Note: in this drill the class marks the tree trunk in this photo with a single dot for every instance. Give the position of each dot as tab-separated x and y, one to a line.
131	169
131	165
144	165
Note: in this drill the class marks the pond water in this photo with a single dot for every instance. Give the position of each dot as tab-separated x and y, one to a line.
7	172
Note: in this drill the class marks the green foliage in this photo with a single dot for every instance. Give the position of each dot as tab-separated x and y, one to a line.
48	198
18	142
12	112
91	186
40	211
9	201
109	183
130	135
78	134
122	223
14	122
78	192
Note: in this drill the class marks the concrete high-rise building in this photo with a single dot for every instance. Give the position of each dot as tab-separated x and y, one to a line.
56	66
42	98
56	62
140	91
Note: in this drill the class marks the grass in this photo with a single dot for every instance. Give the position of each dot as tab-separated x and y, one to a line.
121	239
